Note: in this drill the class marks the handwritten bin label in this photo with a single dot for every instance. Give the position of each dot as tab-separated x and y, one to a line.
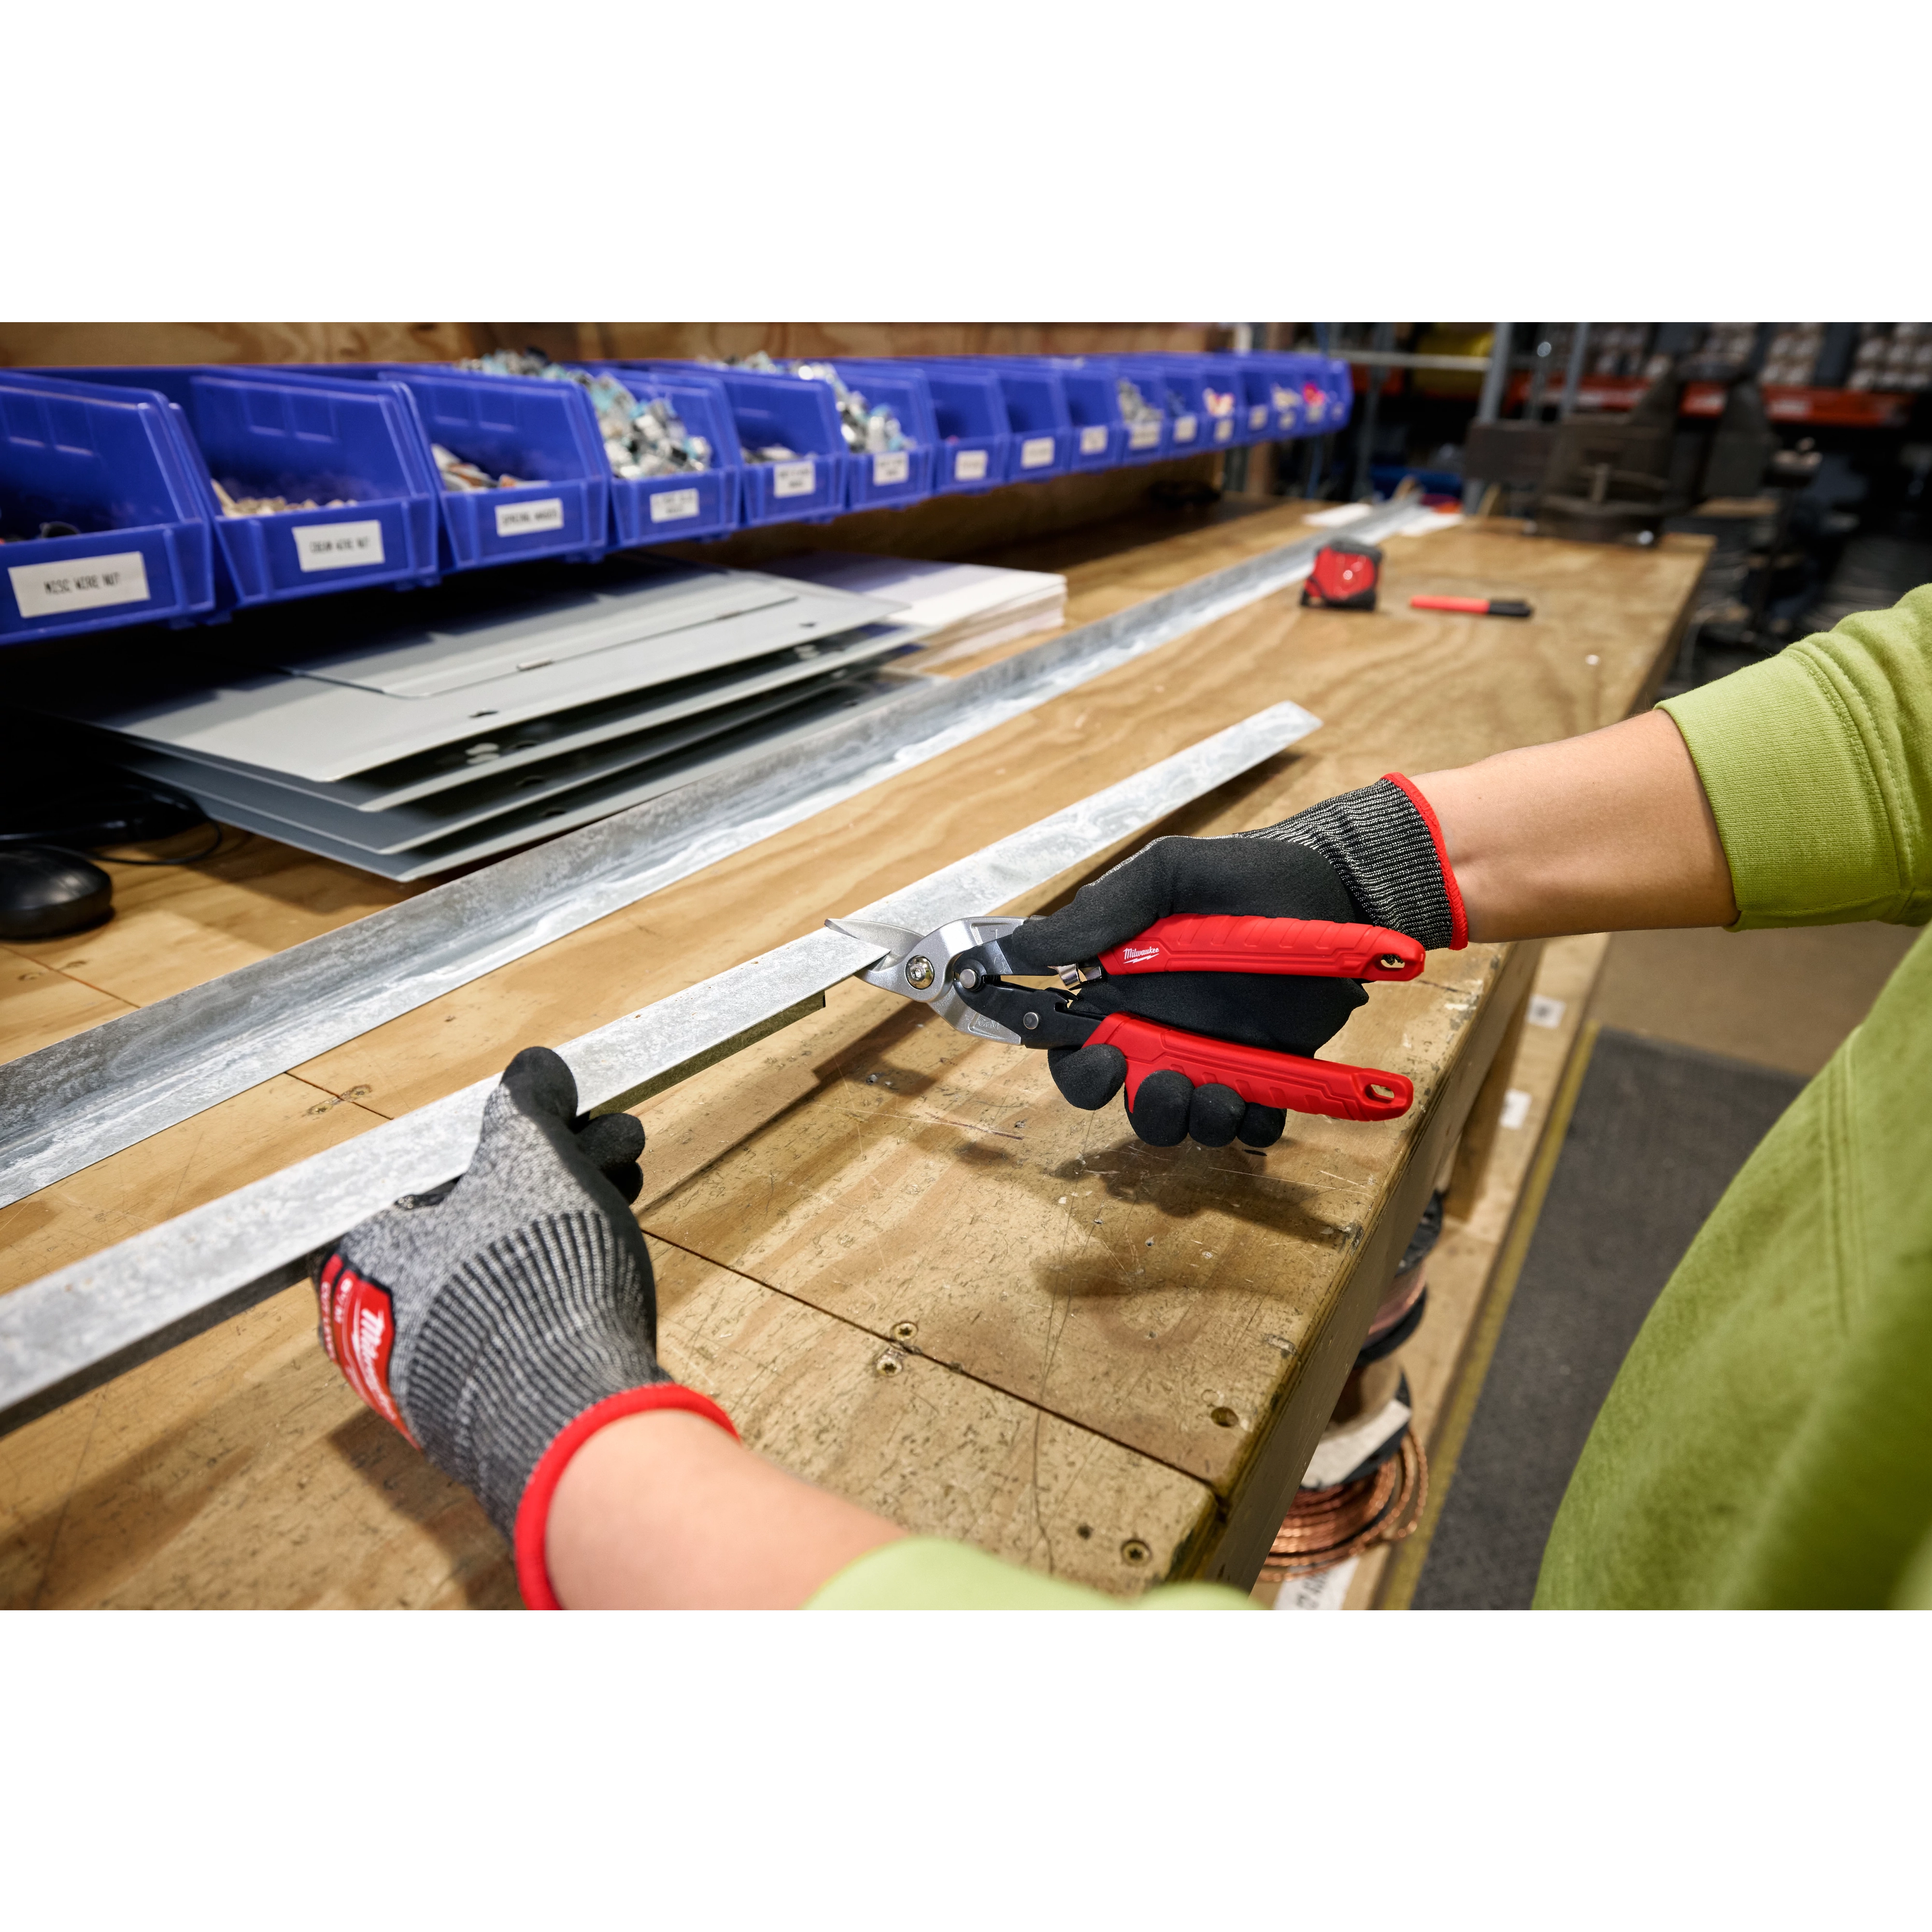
671	506
525	520
48	589
337	546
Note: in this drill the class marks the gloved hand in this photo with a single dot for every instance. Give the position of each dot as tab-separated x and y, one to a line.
500	1321
1373	856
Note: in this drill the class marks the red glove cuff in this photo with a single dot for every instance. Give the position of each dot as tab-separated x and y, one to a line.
533	1512
1459	920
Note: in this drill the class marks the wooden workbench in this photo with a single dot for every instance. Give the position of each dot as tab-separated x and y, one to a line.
909	1271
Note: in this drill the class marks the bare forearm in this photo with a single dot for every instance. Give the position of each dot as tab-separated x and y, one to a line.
1608	832
664	1511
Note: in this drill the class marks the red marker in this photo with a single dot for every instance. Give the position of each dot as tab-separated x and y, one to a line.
1476	607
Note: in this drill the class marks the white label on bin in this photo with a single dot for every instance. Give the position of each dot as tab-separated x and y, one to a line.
1036	452
1143	435
892	467
1257	416
1093	440
794	479
525	520
669	506
337	546
1184	428
1224	428
46	589
969	466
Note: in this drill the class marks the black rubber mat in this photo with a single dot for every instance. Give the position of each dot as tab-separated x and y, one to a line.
1657	1132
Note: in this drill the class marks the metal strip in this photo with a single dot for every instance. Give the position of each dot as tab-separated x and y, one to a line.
81	1099
74	1329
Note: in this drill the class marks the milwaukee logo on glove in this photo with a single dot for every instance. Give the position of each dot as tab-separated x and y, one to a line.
358	1329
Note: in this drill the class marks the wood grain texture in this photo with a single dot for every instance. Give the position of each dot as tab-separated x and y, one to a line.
937	1450
39	1006
179	925
27	344
239	1472
52	344
859	1173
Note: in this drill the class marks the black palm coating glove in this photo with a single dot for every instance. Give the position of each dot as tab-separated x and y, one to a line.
504	1317
1372	857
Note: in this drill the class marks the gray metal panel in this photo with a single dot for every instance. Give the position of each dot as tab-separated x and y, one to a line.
504	831
537	740
562	792
310	726
82	1098
73	1329
446	658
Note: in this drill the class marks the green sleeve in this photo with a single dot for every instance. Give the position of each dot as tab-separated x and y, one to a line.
924	1573
1818	765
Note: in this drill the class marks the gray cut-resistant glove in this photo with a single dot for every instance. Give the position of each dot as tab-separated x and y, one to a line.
1373	856
485	1317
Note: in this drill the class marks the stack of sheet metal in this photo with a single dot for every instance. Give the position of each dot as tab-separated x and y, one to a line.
410	737
957	609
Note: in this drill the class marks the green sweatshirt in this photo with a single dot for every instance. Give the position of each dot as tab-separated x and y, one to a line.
1768	1440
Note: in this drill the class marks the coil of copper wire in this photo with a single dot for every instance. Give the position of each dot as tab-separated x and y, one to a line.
1326	1527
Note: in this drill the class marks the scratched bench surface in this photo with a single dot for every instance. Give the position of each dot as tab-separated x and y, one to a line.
898	1289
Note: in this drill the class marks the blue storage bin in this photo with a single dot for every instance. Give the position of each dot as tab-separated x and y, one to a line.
811	486
972	433
1281	376
1093	407
688	506
1044	438
1312	395
518	426
1204	401
115	463
1223	401
1143	439
1168	389
891	479
1094	403
1331	378
1254	397
1038	420
886	479
276	433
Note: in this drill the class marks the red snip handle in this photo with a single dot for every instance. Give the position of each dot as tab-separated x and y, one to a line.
1323	949
1265	1079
